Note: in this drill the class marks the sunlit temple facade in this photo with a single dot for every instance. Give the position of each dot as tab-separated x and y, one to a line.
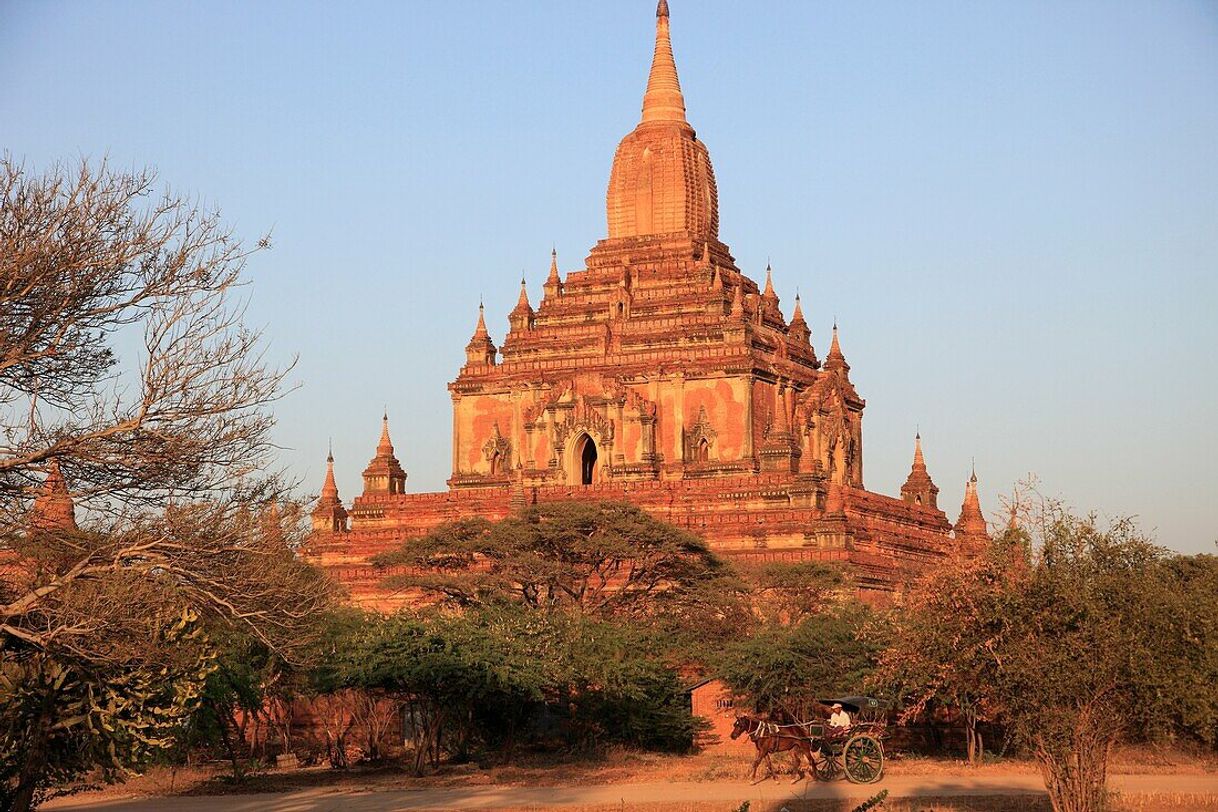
662	374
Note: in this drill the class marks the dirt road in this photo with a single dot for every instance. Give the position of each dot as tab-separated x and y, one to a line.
767	795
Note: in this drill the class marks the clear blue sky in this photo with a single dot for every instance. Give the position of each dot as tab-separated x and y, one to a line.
1011	208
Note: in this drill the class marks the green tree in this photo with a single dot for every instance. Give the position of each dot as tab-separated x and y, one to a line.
1179	686
788	668
604	558
237	689
610	564
787	593
485	676
1067	666
621	688
63	717
443	668
930	662
1073	633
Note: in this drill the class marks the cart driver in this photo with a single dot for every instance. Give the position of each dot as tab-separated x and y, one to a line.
839	719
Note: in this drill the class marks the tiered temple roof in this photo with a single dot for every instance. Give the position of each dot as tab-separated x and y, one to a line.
662	374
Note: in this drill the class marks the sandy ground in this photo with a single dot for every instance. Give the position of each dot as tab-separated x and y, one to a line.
652	782
764	796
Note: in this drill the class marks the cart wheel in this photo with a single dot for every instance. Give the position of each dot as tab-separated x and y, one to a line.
827	767
863	758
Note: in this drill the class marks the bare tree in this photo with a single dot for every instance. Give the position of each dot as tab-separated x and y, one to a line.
93	262
335	714
130	391
376	712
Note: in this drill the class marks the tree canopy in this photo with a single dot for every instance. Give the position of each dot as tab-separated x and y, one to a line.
1073	633
933	662
602	558
788	668
495	674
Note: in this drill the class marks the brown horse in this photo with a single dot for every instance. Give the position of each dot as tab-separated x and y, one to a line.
770	737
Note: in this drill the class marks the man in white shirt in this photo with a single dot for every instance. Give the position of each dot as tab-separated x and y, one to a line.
840	718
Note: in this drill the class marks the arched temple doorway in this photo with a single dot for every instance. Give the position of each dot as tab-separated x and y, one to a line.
585	457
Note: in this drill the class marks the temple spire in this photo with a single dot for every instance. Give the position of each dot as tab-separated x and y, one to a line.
553	285
480	349
663	100
384	473
384	448
798	327
971	525
769	284
53	507
919	489
521	318
480	327
329	487
329	516
836	359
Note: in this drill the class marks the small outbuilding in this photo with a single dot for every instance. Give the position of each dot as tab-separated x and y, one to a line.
713	701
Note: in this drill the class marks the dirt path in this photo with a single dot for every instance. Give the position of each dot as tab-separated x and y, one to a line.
767	795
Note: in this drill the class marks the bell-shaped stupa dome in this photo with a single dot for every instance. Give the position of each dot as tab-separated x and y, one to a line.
662	181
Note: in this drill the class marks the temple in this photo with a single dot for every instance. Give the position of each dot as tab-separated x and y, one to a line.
662	374
53	509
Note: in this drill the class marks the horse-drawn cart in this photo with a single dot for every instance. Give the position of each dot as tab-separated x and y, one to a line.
856	752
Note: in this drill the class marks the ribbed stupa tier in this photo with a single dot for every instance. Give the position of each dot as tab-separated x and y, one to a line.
662	184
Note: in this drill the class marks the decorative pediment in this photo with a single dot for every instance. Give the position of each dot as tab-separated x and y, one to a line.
583	414
831	393
591	417
700	438
498	451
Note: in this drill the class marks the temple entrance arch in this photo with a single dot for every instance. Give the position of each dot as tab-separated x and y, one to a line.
584	459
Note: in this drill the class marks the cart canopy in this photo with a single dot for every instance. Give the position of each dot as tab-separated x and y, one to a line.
857	704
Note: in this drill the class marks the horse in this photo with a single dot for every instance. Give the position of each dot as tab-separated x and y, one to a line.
770	737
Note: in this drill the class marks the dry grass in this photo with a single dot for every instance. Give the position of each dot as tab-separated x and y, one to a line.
1152	759
1169	802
